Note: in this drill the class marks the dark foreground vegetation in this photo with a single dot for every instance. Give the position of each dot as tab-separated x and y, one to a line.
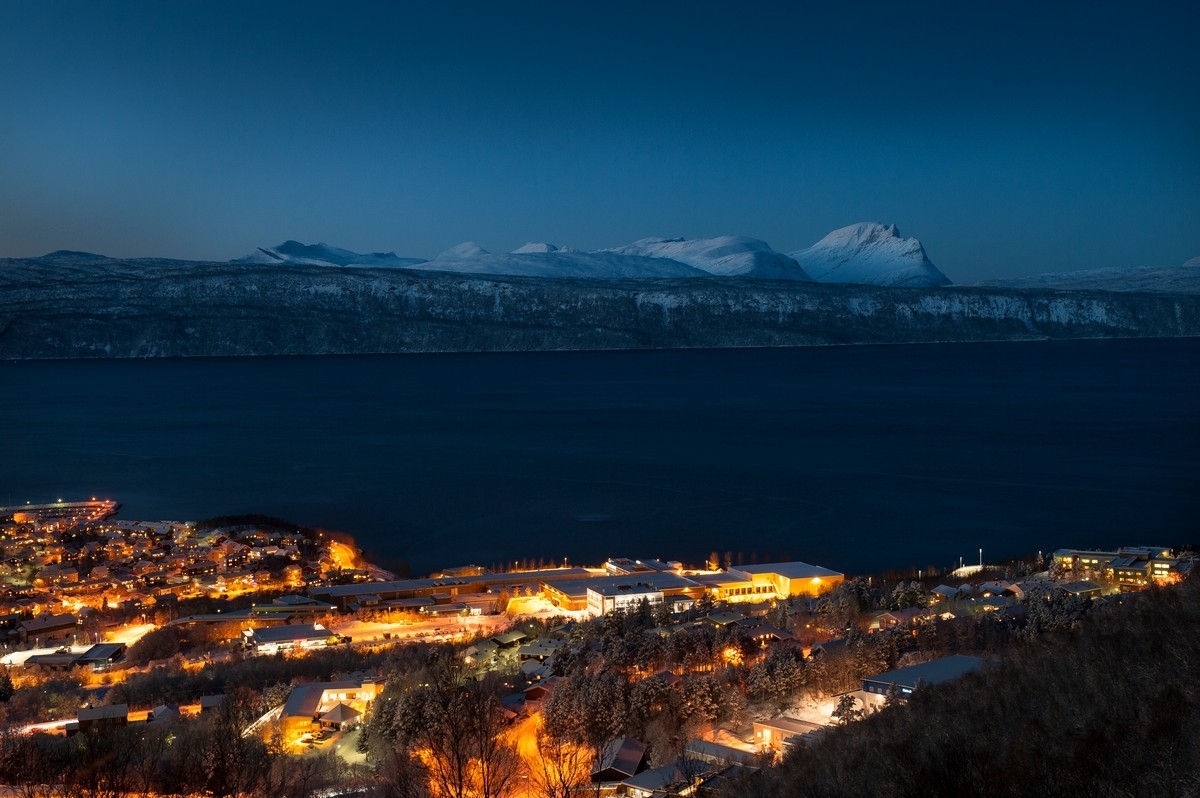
1111	708
1097	700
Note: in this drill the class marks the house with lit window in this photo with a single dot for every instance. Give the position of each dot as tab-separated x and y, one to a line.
48	628
309	707
780	733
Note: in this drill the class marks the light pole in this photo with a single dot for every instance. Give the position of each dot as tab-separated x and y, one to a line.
981	559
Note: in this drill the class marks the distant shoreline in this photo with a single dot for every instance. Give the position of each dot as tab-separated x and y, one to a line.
472	352
213	310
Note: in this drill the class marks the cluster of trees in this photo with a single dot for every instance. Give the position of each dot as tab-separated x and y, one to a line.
42	696
623	676
207	756
1107	705
629	642
446	735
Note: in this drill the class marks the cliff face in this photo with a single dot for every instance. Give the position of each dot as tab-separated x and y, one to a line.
109	308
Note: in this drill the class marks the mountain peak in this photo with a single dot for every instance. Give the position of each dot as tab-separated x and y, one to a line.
871	253
865	231
535	247
298	254
72	254
467	249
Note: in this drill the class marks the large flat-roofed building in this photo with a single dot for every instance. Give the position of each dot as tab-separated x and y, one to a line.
733	587
786	579
603	594
443	589
603	599
1132	567
273	639
907	680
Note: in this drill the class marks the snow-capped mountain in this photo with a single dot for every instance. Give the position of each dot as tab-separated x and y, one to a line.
864	253
724	256
296	254
464	251
872	254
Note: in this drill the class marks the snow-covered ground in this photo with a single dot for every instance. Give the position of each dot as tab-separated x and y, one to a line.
17	658
129	633
725	256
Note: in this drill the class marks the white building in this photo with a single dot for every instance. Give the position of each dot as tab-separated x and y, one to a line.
603	599
273	639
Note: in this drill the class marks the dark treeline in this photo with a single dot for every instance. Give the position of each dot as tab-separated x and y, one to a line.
257	520
212	755
253	681
1110	708
208	756
169	685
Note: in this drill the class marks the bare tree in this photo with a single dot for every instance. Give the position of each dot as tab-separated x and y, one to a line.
32	764
402	775
558	768
455	729
148	770
102	763
216	758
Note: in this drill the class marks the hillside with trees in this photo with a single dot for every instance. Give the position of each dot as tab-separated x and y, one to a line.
1108	708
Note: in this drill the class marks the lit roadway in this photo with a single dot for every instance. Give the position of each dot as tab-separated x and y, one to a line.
345	556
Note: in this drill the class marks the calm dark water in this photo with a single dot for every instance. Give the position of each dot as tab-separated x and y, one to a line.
857	458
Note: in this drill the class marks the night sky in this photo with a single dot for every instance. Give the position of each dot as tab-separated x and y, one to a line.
1011	138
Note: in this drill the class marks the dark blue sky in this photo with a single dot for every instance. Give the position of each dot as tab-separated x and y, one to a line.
1010	138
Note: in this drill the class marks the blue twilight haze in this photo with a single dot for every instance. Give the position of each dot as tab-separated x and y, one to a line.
1010	138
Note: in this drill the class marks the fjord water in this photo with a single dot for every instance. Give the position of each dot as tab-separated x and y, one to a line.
857	458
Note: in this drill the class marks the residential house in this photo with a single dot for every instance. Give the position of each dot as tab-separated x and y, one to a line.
620	759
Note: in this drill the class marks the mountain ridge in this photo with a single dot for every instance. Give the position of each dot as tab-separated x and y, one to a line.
721	256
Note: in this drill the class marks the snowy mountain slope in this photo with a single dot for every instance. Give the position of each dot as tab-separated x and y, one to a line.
295	253
463	251
650	258
724	256
1184	278
538	246
470	258
871	254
